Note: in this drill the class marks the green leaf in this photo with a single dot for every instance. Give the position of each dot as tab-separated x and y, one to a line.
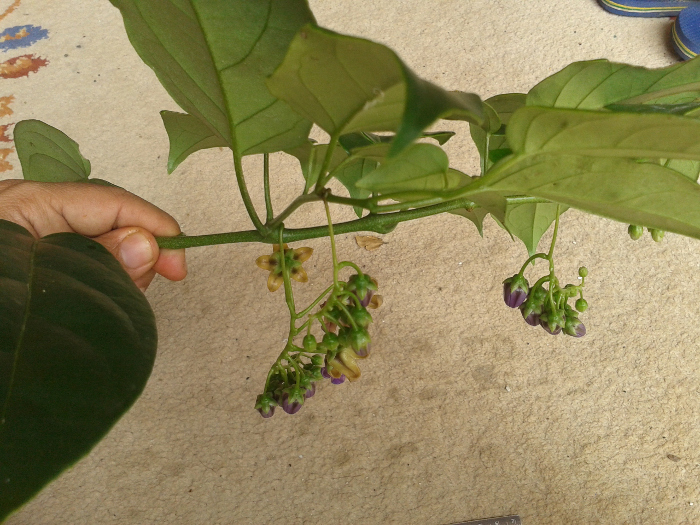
598	83
346	84
535	130
213	56
311	157
674	109
618	188
350	173
47	154
529	221
689	168
420	167
351	141
78	345
187	134
504	105
476	215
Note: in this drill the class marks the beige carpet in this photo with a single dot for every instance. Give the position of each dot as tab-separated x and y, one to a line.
463	411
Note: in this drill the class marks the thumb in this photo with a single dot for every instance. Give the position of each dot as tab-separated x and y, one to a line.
137	251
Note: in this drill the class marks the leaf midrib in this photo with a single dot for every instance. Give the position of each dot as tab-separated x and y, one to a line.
23	330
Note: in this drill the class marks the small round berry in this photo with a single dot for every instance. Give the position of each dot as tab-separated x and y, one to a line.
635	232
583	271
581	305
657	235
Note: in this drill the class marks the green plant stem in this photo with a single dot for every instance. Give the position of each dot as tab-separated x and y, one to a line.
288	293
318	300
322	179
296	203
536	256
332	237
378	223
247	202
344	264
550	254
381	223
266	184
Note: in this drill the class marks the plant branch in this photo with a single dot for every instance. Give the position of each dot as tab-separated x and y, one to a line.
247	202
379	223
266	184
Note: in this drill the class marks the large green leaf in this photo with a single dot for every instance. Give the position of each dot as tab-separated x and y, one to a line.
689	168
346	84
529	221
420	167
213	57
47	154
187	134
476	215
534	130
598	83
360	139
486	143
350	173
311	157
623	189
78	345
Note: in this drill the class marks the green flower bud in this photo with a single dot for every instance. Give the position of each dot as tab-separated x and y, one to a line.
360	285
361	316
330	341
635	232
583	271
581	305
309	343
317	360
657	235
358	339
265	404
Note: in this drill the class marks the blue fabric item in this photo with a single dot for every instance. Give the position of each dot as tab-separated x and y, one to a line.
685	33
646	8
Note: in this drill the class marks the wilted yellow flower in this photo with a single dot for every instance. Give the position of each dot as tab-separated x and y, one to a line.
344	363
293	260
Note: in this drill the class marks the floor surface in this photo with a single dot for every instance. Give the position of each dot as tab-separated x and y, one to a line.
463	411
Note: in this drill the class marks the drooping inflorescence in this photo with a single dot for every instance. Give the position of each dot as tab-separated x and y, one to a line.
344	321
546	304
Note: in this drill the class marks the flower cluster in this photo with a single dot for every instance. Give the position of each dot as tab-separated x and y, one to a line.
548	307
344	320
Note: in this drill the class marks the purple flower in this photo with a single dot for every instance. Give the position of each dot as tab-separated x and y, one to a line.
270	412
265	404
310	391
334	380
515	290
532	318
364	351
548	330
575	328
292	400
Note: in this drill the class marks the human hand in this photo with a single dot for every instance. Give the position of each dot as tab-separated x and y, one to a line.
120	221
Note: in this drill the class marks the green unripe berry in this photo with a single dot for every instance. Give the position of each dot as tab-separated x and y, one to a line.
581	305
330	341
657	235
309	343
583	271
317	360
635	231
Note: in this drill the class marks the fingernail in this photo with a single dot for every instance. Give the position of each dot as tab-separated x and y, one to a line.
135	251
